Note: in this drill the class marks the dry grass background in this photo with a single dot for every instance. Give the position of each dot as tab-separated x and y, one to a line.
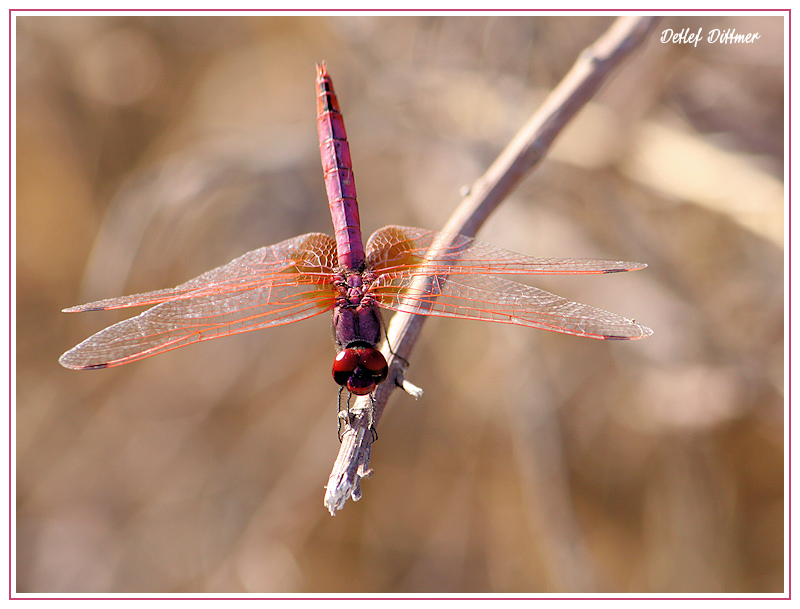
151	149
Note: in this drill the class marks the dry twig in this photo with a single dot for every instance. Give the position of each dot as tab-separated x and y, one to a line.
523	153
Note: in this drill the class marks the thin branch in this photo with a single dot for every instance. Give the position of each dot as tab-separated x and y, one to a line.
524	152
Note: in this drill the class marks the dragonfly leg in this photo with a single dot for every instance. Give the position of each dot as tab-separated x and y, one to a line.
388	344
371	417
340	414
344	413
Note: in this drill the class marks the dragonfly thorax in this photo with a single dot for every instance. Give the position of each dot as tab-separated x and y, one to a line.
353	288
356	317
356	324
358	366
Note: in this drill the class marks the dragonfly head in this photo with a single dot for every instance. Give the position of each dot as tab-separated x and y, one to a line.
359	367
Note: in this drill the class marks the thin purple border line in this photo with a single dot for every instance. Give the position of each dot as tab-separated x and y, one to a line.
789	388
10	315
11	14
610	12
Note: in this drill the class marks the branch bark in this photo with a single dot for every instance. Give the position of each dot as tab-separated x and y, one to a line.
523	153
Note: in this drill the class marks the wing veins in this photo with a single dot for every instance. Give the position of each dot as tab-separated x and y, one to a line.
506	302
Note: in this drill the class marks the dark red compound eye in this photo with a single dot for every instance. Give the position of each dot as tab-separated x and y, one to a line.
373	360
344	365
359	369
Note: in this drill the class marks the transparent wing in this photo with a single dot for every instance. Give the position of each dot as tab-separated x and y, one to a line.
458	281
402	248
489	298
270	286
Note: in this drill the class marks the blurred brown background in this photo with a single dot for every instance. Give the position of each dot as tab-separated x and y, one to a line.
151	149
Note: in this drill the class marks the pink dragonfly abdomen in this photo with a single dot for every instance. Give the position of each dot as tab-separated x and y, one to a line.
337	167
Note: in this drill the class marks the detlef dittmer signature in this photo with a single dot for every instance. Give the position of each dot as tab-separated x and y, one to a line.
714	36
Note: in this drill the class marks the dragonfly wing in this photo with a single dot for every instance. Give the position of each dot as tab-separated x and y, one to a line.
489	298
267	287
394	249
314	252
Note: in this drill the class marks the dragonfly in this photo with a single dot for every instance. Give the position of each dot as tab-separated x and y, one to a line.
315	273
